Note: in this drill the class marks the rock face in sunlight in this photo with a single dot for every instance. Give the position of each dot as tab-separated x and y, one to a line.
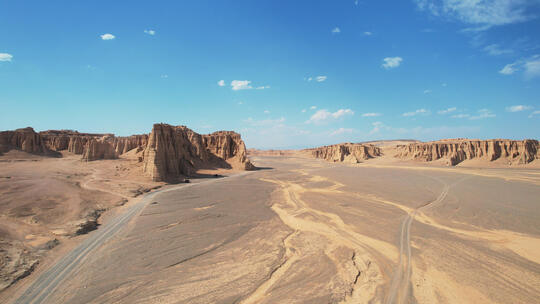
454	151
229	146
346	152
102	148
176	151
26	140
125	144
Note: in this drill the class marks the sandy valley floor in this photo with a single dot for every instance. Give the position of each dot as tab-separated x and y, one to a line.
308	231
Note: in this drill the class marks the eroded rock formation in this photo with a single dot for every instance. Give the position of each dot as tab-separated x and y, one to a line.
346	152
176	151
26	140
102	148
457	150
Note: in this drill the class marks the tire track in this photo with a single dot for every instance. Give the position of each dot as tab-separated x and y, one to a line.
47	282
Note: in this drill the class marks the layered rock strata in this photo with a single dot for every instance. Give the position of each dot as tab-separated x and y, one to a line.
458	150
176	151
346	152
26	140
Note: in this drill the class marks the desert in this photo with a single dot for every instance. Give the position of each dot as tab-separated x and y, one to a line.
94	218
270	152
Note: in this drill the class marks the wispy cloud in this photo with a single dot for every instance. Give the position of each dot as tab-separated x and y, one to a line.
341	131
461	116
530	67
262	87
336	30
107	36
266	112
313	107
534	114
164	76
371	114
325	116
482	113
321	78
265	122
482	14
392	62
221	83
427	91
446	111
5	57
150	32
518	108
417	112
495	50
368	33
238	85
377	127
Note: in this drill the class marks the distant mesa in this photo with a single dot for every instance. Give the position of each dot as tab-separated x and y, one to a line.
346	152
455	151
168	153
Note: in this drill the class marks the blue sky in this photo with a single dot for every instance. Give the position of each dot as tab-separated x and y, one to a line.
285	74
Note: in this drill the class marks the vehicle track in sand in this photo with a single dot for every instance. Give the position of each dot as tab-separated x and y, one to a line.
45	284
400	284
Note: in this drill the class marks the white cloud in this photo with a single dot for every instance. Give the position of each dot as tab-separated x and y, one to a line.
221	83
518	108
313	107
5	57
323	116
266	112
533	114
164	76
378	126
461	116
321	78
495	50
371	114
336	30
341	131
150	32
391	62
509	69
107	36
449	110
241	85
483	113
263	87
530	67
427	91
483	14
368	33
303	110
417	112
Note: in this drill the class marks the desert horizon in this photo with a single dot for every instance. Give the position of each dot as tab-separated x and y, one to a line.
270	152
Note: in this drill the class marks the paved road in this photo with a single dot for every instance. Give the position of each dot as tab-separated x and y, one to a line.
46	283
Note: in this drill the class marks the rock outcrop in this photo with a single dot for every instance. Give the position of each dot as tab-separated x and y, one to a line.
176	151
455	151
346	152
229	146
125	144
26	140
102	148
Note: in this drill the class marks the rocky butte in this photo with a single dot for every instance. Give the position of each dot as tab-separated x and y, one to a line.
175	151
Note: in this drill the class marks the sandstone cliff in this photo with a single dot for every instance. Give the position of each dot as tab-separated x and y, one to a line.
230	147
125	144
458	150
346	152
173	152
26	140
102	148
